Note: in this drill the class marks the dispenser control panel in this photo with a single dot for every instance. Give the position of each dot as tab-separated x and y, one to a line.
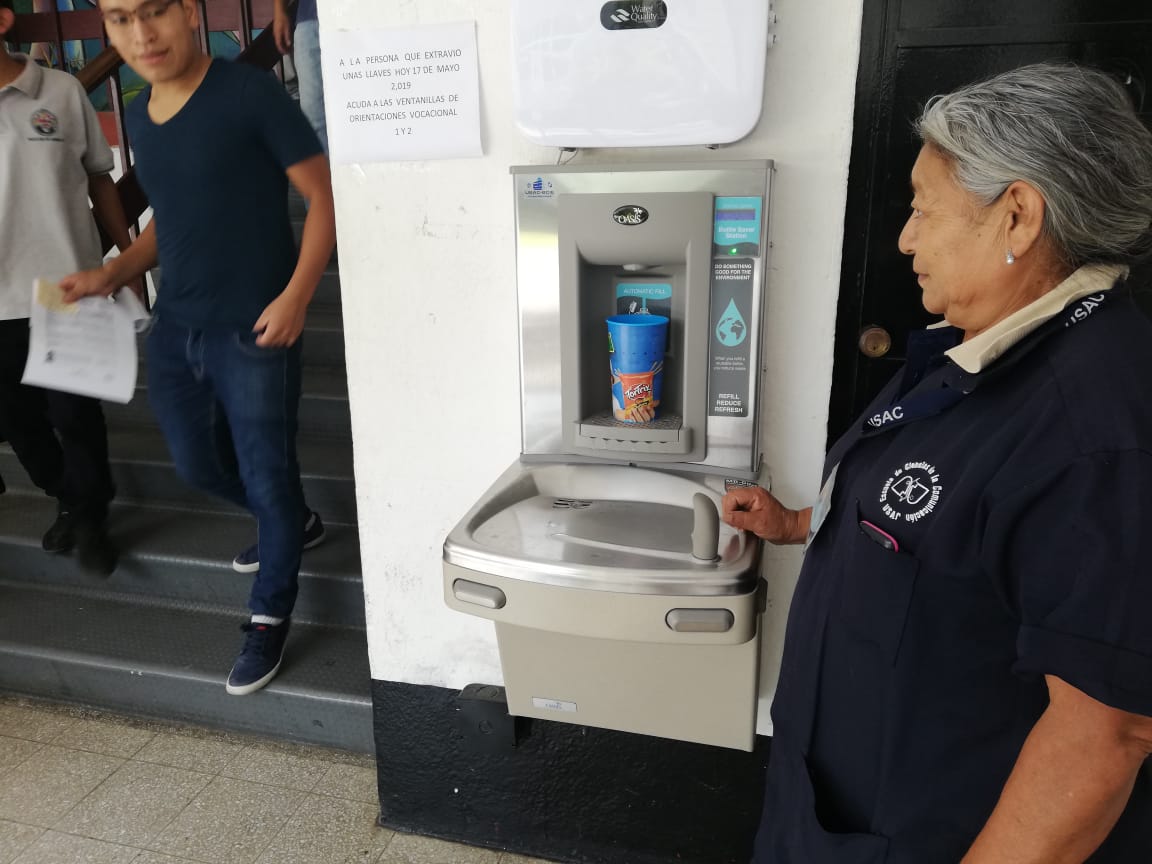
684	243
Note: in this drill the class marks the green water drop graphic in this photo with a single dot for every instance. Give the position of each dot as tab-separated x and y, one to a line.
732	329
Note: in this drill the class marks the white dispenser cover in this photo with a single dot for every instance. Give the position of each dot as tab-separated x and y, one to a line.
638	73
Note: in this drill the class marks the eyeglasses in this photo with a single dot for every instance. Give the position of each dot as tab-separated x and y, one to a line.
145	12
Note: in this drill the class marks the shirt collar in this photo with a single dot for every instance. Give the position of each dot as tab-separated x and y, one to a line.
983	350
28	81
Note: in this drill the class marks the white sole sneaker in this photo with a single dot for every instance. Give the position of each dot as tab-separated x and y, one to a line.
254	567
245	689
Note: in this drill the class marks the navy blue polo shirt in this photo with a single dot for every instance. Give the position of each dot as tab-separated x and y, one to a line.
1007	538
214	175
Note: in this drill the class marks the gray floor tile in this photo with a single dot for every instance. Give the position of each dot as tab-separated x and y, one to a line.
54	848
112	737
347	757
14	839
231	821
207	754
134	804
349	781
32	722
414	849
275	766
13	751
50	782
161	858
328	831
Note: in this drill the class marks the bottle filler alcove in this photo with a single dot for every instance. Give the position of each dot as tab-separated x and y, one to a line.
620	599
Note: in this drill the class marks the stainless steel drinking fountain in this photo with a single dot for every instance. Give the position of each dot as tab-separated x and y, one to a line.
620	600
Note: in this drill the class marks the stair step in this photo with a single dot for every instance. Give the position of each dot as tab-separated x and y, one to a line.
323	405
170	662
324	337
298	232
328	289
182	556
144	473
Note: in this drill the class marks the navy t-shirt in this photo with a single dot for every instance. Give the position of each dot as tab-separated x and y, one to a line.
306	11
214	175
999	538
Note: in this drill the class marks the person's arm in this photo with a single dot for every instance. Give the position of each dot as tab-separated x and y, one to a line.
282	26
283	320
752	508
109	212
1070	783
124	269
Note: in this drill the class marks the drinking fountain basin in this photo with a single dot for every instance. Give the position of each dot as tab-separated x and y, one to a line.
620	600
603	527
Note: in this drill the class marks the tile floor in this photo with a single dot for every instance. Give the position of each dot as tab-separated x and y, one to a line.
83	787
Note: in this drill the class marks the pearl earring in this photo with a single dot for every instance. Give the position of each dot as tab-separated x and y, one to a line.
1009	258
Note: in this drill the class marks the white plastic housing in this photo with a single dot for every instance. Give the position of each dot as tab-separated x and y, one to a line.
589	75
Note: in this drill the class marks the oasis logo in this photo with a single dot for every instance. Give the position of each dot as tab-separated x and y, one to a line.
630	214
631	15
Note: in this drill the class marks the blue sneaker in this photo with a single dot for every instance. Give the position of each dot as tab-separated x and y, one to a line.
248	561
259	658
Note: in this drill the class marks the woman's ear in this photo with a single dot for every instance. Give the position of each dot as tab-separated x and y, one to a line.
1024	217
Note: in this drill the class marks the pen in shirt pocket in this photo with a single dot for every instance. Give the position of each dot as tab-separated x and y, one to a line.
879	536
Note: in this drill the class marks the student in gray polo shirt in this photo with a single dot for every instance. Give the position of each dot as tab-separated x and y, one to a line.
53	157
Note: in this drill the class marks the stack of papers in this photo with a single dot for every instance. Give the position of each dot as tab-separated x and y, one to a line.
87	347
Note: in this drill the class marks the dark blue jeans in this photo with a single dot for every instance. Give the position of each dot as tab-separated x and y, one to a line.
228	410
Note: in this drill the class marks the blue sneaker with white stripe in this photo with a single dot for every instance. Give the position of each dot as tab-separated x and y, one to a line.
259	658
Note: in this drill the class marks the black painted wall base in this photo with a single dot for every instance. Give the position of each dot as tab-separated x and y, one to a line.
564	792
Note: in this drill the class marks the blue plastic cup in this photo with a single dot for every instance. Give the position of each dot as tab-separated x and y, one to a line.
636	360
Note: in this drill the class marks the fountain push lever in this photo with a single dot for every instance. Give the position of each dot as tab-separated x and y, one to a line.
705	528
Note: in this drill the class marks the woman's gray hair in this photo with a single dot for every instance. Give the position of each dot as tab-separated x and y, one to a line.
1070	132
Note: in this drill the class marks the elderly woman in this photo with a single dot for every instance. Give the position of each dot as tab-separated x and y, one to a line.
967	673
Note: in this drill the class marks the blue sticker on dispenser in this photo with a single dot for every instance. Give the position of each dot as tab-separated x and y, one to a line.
730	348
737	225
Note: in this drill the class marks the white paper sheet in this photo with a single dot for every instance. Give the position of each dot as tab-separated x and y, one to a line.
87	347
403	94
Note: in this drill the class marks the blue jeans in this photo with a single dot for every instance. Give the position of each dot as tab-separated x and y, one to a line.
306	58
228	410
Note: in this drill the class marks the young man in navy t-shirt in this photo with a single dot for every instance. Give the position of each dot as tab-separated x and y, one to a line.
216	145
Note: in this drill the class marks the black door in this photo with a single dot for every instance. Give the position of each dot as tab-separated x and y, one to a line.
910	51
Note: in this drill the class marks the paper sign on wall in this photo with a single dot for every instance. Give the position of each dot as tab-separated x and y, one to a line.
402	94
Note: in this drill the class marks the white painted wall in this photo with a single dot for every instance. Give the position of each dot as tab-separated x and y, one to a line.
428	274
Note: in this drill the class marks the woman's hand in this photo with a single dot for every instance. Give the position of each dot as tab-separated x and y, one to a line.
752	508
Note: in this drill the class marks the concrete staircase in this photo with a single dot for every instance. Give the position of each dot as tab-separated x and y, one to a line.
157	638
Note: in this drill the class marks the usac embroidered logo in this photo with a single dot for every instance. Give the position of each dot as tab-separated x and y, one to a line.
911	493
45	122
